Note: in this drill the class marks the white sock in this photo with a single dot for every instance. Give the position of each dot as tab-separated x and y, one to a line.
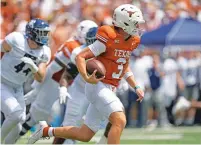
50	132
103	140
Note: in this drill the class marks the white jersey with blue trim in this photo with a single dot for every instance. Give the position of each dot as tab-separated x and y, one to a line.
12	68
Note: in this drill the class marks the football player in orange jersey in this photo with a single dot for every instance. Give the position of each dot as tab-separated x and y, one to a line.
113	48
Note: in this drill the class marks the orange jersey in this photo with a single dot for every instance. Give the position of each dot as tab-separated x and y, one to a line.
117	53
67	49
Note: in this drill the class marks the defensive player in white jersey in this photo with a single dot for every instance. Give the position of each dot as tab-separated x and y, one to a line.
24	56
48	92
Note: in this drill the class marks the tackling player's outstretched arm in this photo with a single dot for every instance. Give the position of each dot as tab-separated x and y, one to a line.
64	79
5	47
129	77
63	92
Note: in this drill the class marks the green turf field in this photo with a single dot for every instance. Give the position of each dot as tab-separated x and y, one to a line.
179	135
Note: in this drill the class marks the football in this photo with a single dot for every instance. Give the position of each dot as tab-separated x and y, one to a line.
94	64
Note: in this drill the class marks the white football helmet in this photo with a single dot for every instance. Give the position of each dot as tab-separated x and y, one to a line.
128	17
83	28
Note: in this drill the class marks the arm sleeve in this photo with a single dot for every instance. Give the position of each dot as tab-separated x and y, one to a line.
97	47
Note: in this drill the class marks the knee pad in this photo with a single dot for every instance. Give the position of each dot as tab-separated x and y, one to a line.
19	116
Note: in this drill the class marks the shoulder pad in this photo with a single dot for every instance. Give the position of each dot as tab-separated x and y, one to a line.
15	39
107	32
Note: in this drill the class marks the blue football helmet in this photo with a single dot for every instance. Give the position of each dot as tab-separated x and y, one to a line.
38	31
91	35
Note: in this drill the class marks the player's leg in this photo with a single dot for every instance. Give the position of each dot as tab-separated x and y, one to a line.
59	117
160	107
101	95
118	122
196	104
27	125
35	114
45	99
34	111
31	96
103	139
12	110
86	131
14	133
41	108
76	108
83	133
191	93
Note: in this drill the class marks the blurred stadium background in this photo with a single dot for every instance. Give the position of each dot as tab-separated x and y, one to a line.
147	122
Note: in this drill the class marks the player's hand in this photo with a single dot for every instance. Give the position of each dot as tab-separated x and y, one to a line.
63	95
140	94
31	64
92	79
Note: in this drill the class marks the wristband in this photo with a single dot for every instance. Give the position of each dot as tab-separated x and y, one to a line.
136	87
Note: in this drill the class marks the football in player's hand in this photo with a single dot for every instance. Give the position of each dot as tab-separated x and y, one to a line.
94	64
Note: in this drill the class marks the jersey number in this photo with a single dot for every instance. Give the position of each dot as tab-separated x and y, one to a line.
19	67
121	62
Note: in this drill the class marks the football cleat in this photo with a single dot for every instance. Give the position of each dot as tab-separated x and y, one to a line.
38	134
